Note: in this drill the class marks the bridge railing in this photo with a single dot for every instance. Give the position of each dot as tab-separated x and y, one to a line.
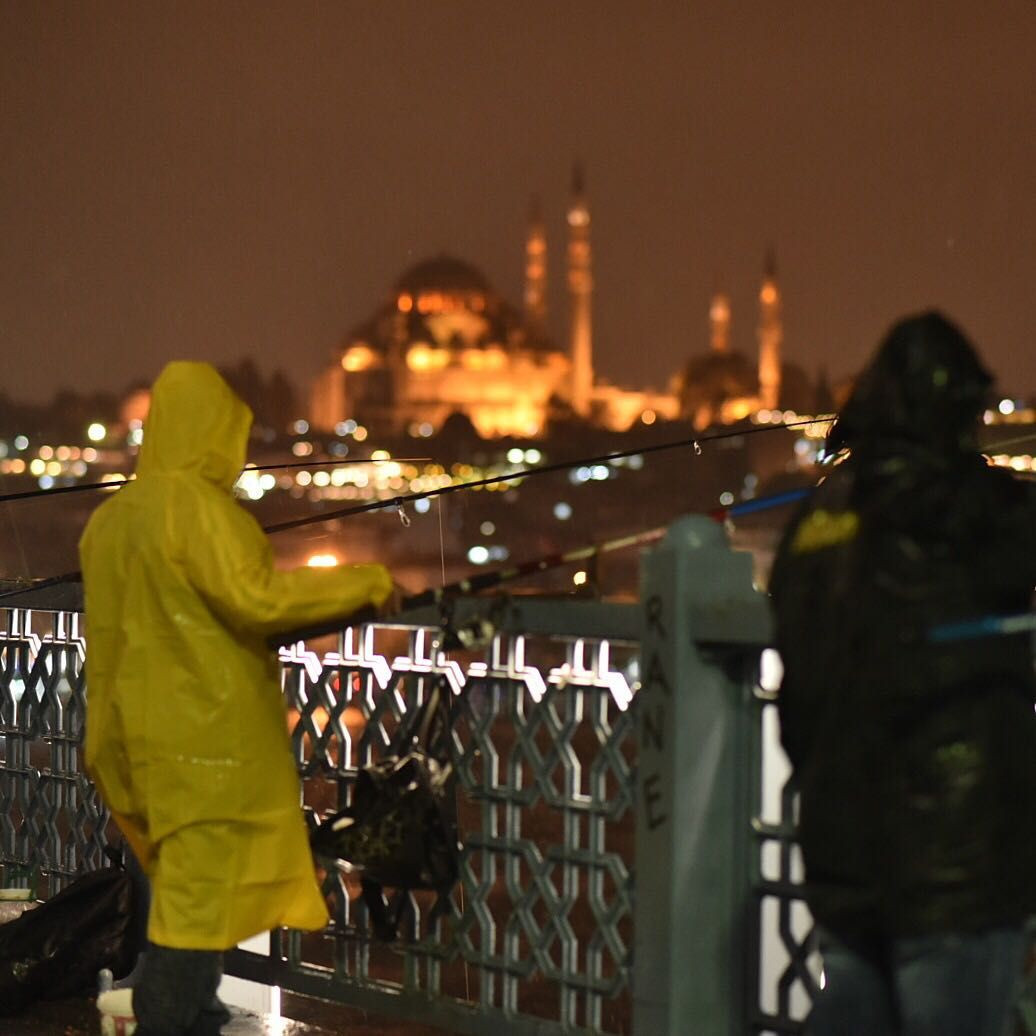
628	860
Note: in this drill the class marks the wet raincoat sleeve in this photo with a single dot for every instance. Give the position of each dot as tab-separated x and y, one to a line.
230	564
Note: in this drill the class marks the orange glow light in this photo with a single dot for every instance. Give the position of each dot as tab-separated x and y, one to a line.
424	358
322	561
358	358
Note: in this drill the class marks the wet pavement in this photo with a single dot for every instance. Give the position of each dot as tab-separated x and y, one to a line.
314	1018
80	1018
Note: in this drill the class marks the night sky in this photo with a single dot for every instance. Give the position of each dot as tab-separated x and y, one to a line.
211	180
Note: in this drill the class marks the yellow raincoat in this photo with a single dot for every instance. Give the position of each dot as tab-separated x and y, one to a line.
186	735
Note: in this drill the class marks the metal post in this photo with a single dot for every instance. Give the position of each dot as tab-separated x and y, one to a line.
697	778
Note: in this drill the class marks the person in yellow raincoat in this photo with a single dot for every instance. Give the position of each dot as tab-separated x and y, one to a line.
186	735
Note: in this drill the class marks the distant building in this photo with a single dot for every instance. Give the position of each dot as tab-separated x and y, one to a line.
445	342
723	385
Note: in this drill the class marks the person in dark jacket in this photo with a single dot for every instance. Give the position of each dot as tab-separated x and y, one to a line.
915	760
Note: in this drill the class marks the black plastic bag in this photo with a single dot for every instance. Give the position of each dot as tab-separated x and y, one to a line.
56	949
401	829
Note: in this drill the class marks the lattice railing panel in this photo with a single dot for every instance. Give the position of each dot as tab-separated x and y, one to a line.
51	819
541	921
790	968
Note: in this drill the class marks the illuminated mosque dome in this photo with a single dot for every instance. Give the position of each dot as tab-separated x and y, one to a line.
443	342
443	273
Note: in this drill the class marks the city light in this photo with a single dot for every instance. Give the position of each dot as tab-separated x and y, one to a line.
96	432
562	511
579	578
478	555
322	561
1006	407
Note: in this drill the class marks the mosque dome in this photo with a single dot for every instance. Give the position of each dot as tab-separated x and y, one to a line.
444	303
443	273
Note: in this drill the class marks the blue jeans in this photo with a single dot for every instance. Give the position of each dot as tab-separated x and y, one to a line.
945	985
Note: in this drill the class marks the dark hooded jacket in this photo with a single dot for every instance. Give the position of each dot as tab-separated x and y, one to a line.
915	760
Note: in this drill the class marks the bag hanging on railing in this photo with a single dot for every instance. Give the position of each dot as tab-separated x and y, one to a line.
57	949
401	829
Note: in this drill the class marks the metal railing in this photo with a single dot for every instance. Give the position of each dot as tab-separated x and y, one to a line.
629	861
536	935
53	824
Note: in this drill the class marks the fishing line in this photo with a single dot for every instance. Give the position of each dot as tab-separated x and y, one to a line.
16	533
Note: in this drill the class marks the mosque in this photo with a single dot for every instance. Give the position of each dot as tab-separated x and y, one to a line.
444	341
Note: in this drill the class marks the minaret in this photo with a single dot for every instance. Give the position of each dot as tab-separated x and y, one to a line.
580	294
719	323
771	333
536	269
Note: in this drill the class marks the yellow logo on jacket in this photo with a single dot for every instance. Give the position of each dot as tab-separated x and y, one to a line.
824	529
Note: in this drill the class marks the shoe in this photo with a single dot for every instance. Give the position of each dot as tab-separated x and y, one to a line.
116	1007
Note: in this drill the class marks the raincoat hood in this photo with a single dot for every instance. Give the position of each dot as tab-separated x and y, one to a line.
924	385
196	425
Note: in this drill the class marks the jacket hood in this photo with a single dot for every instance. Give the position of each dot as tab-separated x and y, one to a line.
196	424
925	385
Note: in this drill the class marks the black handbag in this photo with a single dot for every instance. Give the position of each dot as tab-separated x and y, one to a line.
401	829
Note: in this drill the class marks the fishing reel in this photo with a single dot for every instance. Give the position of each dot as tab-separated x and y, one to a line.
473	634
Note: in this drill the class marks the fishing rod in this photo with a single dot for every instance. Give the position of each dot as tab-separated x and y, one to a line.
28	494
470	585
522	473
497	577
398	502
987	626
735	511
719	514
